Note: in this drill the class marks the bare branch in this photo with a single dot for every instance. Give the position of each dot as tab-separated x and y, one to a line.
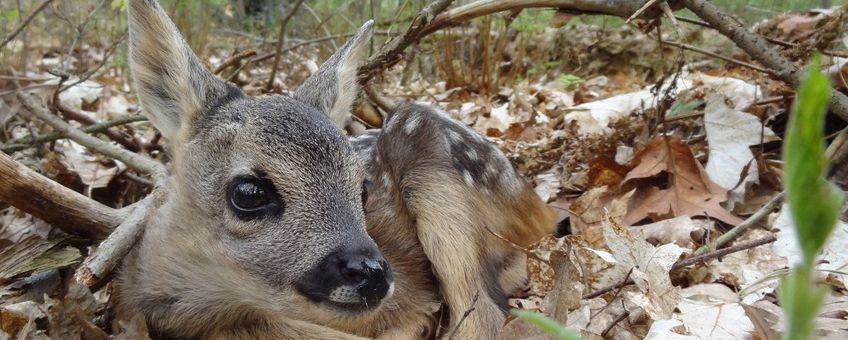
280	41
392	52
148	166
111	251
749	222
63	208
25	23
758	48
29	141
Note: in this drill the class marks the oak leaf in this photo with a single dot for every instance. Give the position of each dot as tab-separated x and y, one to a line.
689	190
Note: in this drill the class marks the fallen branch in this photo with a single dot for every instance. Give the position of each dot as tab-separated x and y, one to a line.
74	114
690	261
111	251
758	48
29	141
138	162
63	208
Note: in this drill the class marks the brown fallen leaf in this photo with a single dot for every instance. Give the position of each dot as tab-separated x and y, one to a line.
689	190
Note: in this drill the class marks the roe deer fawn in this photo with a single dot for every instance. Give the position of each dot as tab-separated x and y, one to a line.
276	226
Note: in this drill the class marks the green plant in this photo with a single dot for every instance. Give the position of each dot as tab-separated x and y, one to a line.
569	80
813	201
546	324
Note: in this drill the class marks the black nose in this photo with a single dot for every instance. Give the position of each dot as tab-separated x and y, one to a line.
367	270
353	278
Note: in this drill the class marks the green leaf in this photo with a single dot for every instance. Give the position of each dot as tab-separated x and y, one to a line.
119	4
546	324
11	14
814	202
570	80
800	300
681	107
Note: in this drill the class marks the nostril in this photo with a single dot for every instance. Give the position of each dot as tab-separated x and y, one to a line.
353	271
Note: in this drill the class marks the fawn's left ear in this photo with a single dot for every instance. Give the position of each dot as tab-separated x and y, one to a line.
333	87
173	85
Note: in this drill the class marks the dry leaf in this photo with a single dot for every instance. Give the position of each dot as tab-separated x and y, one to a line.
730	133
676	230
710	311
690	192
648	267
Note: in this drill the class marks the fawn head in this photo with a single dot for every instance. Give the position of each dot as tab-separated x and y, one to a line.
272	179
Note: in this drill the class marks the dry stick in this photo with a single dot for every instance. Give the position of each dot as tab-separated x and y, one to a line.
111	251
464	316
391	53
143	164
460	14
706	25
234	59
690	261
641	10
618	319
25	23
63	208
749	222
280	40
715	55
758	48
29	141
72	113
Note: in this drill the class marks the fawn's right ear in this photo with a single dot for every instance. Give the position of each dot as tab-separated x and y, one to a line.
173	85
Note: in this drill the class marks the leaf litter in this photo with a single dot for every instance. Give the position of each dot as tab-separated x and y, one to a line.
638	197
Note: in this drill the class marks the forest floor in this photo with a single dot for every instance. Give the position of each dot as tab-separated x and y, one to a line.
650	157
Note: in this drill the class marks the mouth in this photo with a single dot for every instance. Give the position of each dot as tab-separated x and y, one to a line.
352	299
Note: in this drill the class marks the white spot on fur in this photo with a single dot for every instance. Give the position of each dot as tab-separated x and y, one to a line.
472	155
467	176
411	123
387	182
454	137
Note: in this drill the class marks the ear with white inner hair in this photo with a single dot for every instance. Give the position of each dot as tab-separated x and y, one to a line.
333	87
173	85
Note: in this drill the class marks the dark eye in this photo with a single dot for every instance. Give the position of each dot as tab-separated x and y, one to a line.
252	197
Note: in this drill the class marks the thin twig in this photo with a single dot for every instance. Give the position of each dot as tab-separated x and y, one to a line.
29	141
618	319
72	113
716	55
464	316
233	60
280	41
25	23
690	261
138	162
739	229
392	53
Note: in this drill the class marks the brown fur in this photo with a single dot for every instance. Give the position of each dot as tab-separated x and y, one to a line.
438	193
